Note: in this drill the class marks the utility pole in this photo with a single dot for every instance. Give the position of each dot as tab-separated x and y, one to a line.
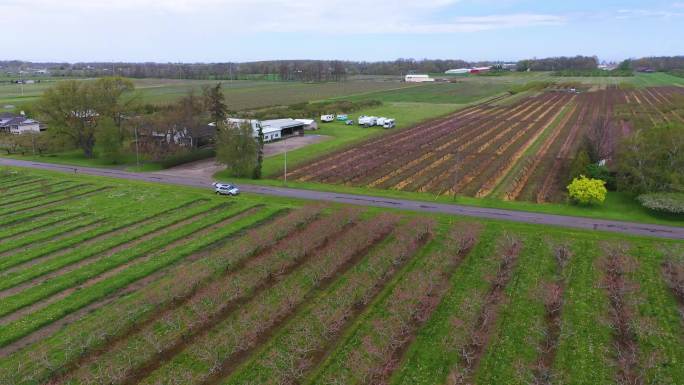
137	152
285	164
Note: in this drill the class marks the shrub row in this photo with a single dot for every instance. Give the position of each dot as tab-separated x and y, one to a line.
208	304
298	346
20	328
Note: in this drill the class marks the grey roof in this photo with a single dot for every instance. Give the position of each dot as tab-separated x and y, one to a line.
9	119
281	123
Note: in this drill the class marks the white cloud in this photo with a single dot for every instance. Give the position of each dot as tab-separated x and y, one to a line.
315	16
626	14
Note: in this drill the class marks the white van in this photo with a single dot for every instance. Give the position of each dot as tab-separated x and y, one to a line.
389	123
327	118
367	121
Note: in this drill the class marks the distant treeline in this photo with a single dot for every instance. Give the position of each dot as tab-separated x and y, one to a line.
597	73
659	63
561	63
310	70
284	70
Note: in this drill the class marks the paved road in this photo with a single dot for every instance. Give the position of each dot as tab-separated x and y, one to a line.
511	215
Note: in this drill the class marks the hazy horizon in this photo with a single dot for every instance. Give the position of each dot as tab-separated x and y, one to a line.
204	31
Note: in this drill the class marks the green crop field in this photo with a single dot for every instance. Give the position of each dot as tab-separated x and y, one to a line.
117	282
240	94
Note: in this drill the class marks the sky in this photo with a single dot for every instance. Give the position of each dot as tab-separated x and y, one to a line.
370	30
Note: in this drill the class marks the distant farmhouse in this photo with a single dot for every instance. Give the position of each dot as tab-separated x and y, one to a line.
18	124
414	78
275	129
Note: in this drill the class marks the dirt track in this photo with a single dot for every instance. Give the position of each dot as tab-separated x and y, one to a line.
206	168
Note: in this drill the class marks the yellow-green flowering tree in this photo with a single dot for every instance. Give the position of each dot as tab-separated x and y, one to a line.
587	191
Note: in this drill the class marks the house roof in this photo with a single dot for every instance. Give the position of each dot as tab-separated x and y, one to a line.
281	123
9	119
306	121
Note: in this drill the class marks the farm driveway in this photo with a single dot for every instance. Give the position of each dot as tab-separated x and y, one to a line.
204	169
292	143
643	229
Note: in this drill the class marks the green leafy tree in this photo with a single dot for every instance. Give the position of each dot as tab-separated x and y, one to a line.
579	165
260	154
595	171
215	103
587	191
109	141
236	148
74	109
652	160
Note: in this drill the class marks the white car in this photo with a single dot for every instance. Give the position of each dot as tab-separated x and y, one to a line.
327	118
225	189
389	123
367	121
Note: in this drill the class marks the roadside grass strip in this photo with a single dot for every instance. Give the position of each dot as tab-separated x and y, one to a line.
121	236
21	229
17	329
436	348
659	325
59	198
58	232
583	355
520	327
302	342
95	333
372	349
148	349
49	249
203	216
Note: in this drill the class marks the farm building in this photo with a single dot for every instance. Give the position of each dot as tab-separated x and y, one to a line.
273	129
183	136
280	128
309	124
418	78
18	124
457	71
477	70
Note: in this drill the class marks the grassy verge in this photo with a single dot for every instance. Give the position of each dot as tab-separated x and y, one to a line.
618	206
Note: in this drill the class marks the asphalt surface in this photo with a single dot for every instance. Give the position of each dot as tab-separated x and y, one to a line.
643	229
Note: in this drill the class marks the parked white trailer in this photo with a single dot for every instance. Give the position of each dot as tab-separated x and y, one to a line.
367	121
389	123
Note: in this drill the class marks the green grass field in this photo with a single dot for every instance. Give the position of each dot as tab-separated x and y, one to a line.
240	94
246	94
118	282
